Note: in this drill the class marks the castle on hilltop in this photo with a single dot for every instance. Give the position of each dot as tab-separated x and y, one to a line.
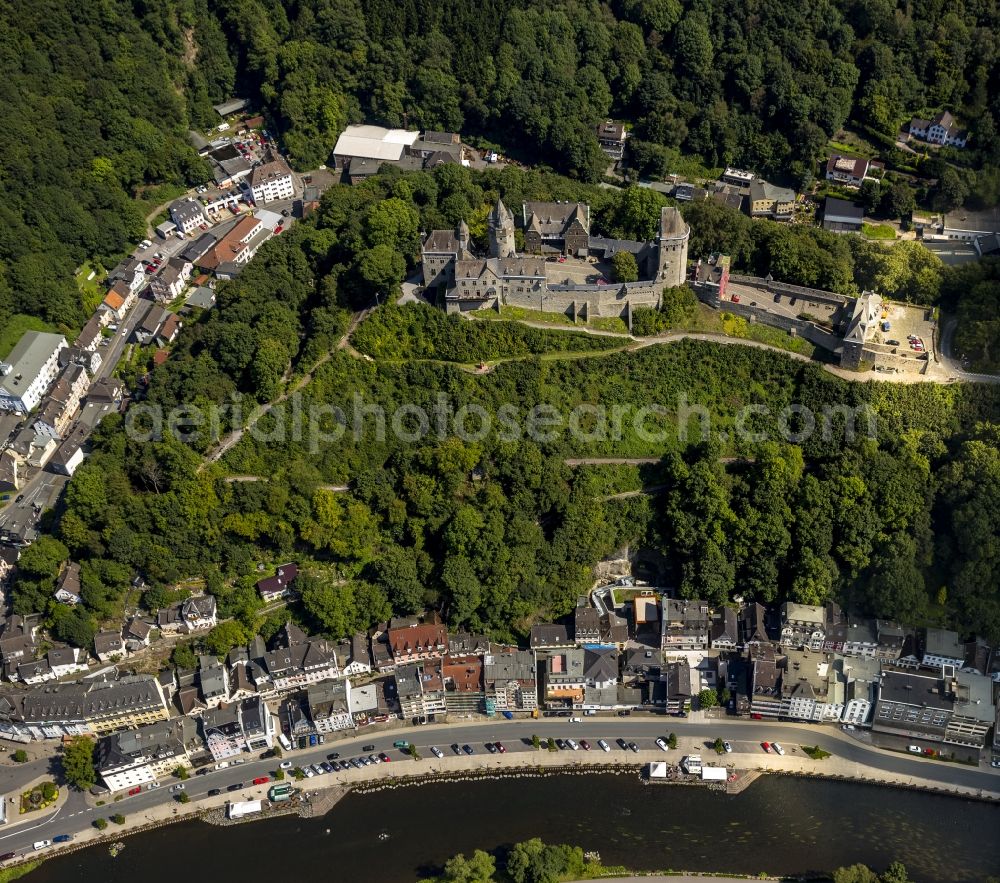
563	268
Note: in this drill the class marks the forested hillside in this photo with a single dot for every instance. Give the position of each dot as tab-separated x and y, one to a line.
498	530
98	97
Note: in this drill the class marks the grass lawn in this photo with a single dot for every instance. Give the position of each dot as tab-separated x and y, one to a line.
521	315
90	287
878	231
610	324
10	332
14	873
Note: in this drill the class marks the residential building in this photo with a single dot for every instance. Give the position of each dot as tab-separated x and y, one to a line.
168	332
752	624
278	586
36	671
851	171
510	680
229	730
198	614
301	664
812	687
8	564
611	136
68	584
769	201
764	681
467	644
952	714
862	676
53	710
548	636
564	677
236	247
464	692
144	754
420	689
271	181
841	216
737	177
69	455
561	227
354	657
600	667
685	625
213	681
109	646
90	337
131	272
187	214
942	647
329	706
724	631
137	634
587	623
802	625
424	641
29	370
939	130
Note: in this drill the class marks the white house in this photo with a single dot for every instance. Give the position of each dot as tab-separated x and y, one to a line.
187	214
272	181
940	130
67	661
29	371
329	706
109	646
68	584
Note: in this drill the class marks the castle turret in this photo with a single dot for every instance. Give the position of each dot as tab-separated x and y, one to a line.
501	223
673	248
462	232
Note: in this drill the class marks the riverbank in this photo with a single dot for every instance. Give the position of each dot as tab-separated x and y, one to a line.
783	826
520	762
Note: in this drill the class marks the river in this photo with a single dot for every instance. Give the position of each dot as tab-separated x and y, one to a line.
779	825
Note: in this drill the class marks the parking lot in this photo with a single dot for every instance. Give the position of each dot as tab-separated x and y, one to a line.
575	271
905	320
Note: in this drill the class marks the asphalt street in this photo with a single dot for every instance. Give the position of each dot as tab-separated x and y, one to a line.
78	812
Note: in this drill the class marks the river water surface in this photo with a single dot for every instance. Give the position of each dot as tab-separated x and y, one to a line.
779	825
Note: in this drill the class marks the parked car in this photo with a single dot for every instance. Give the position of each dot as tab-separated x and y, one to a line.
335	755
575	746
152	785
262	780
621	743
468	749
727	748
374	758
634	747
585	745
62	838
214	792
456	748
370	747
178	787
778	749
663	744
490	747
603	745
236	786
7	855
499	747
384	757
401	744
285	765
41	844
766	746
561	744
437	752
913	749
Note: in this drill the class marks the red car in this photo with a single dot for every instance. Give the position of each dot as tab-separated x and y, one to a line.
278	229
500	748
262	780
766	746
585	745
736	298
133	791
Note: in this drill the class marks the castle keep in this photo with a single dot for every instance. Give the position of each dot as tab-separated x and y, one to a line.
563	267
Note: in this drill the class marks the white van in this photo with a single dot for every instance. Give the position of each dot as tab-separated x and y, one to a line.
41	844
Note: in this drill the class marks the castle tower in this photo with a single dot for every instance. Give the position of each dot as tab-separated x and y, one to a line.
673	248
501	223
462	233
